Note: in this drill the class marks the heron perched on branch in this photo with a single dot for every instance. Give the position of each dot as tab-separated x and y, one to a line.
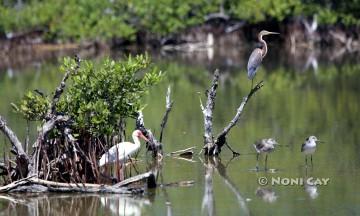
257	56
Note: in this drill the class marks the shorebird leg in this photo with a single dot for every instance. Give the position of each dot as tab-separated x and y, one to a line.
257	161
235	154
311	160
266	161
306	160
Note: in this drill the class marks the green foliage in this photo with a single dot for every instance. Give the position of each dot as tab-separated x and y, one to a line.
33	106
97	96
104	20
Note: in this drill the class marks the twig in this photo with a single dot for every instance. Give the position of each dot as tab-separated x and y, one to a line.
169	105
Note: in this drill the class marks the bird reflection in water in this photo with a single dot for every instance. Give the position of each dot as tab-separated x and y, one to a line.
123	205
266	194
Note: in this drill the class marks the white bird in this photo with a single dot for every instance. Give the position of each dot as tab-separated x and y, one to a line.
123	150
264	146
309	147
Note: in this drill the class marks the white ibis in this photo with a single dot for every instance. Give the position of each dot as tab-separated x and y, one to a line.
264	146
123	150
309	147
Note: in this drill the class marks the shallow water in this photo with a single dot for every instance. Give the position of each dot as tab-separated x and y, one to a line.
296	101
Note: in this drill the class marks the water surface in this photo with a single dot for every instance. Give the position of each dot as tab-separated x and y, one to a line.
300	98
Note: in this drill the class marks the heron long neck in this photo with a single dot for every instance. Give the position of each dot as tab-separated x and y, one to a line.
136	140
264	46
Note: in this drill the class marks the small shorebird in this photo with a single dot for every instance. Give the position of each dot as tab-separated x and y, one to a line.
264	146
309	147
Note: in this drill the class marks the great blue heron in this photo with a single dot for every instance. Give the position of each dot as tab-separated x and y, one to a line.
309	147
257	56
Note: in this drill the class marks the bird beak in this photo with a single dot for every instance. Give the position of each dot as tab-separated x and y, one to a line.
144	137
272	33
320	141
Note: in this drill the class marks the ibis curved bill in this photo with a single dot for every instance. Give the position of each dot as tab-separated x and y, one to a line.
123	150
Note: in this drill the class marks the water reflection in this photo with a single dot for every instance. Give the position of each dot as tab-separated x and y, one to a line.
64	204
266	194
120	205
212	164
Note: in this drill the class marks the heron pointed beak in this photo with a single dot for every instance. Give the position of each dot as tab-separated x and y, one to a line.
144	138
272	33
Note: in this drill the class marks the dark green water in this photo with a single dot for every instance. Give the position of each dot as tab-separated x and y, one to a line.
293	104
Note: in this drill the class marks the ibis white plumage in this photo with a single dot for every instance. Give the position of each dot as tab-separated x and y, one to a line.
123	150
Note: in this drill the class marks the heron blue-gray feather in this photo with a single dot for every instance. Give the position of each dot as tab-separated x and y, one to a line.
254	62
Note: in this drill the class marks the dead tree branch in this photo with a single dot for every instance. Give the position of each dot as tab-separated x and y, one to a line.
52	119
221	137
169	105
208	112
13	138
213	146
60	89
153	145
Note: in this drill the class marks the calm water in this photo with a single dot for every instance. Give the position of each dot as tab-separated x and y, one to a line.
297	100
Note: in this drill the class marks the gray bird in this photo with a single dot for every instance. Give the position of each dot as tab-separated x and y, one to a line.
309	147
264	146
257	56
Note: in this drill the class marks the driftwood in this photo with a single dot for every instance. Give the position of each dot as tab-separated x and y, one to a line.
134	179
212	146
187	151
30	184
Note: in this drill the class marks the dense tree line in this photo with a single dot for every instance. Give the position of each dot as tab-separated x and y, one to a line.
104	20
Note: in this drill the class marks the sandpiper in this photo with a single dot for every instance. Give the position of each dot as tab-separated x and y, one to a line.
309	147
264	146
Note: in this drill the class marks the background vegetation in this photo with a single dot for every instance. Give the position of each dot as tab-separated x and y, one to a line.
105	20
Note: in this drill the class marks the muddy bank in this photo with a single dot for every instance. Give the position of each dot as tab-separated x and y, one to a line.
299	37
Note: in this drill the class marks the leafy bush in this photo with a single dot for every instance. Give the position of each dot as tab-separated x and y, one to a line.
97	97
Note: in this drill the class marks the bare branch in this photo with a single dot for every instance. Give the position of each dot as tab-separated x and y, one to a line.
169	105
13	138
221	137
60	89
153	145
208	110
